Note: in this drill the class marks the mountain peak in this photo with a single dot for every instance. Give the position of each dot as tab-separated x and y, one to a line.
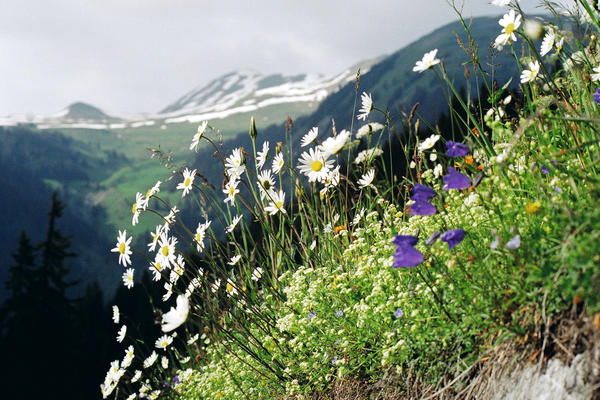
246	90
80	111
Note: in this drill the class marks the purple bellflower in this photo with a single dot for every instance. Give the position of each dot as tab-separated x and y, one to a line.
514	243
455	180
406	255
597	96
421	195
422	192
455	149
422	207
398	313
453	237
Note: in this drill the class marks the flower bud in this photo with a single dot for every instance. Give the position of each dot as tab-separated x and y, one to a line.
252	132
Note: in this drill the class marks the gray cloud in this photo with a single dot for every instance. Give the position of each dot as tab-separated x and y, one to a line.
139	55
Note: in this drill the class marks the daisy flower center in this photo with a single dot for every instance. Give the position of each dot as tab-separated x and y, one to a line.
316	165
122	248
231	190
187	182
509	28
198	237
148	193
165	251
278	204
134	208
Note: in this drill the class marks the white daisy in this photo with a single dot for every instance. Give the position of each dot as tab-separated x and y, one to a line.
510	23
231	190
128	278
136	376
198	135
163	342
170	218
156	268
278	163
261	156
200	235
169	291
358	217
530	75
335	144
257	273
235	163
428	143
193	285
369	129
164	362
314	165
115	372
333	178
277	203
177	270
367	106
500	3
155	235
154	395
121	334
265	183
234	260
116	315
367	178
188	180
137	207
215	285
310	137
230	288
176	315
166	253
150	360
152	191
596	77
428	61
128	358
235	221
123	248
193	339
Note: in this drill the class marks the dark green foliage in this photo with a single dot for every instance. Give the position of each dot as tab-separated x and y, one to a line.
54	346
32	164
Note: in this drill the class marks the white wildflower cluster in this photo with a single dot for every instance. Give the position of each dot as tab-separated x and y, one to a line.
367	156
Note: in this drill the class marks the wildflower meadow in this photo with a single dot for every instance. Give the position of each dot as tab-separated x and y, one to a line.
388	248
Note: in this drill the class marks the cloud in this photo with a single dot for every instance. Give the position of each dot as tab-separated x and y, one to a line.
140	55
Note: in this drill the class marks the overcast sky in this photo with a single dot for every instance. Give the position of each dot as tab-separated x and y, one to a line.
129	56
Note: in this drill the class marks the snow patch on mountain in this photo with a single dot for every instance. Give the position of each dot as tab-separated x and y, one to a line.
236	92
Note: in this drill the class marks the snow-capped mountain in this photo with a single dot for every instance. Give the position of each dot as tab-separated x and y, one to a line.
244	91
247	91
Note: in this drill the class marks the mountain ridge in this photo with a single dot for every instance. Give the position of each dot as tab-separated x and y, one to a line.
235	92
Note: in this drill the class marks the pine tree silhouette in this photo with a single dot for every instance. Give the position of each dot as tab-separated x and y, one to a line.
39	339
